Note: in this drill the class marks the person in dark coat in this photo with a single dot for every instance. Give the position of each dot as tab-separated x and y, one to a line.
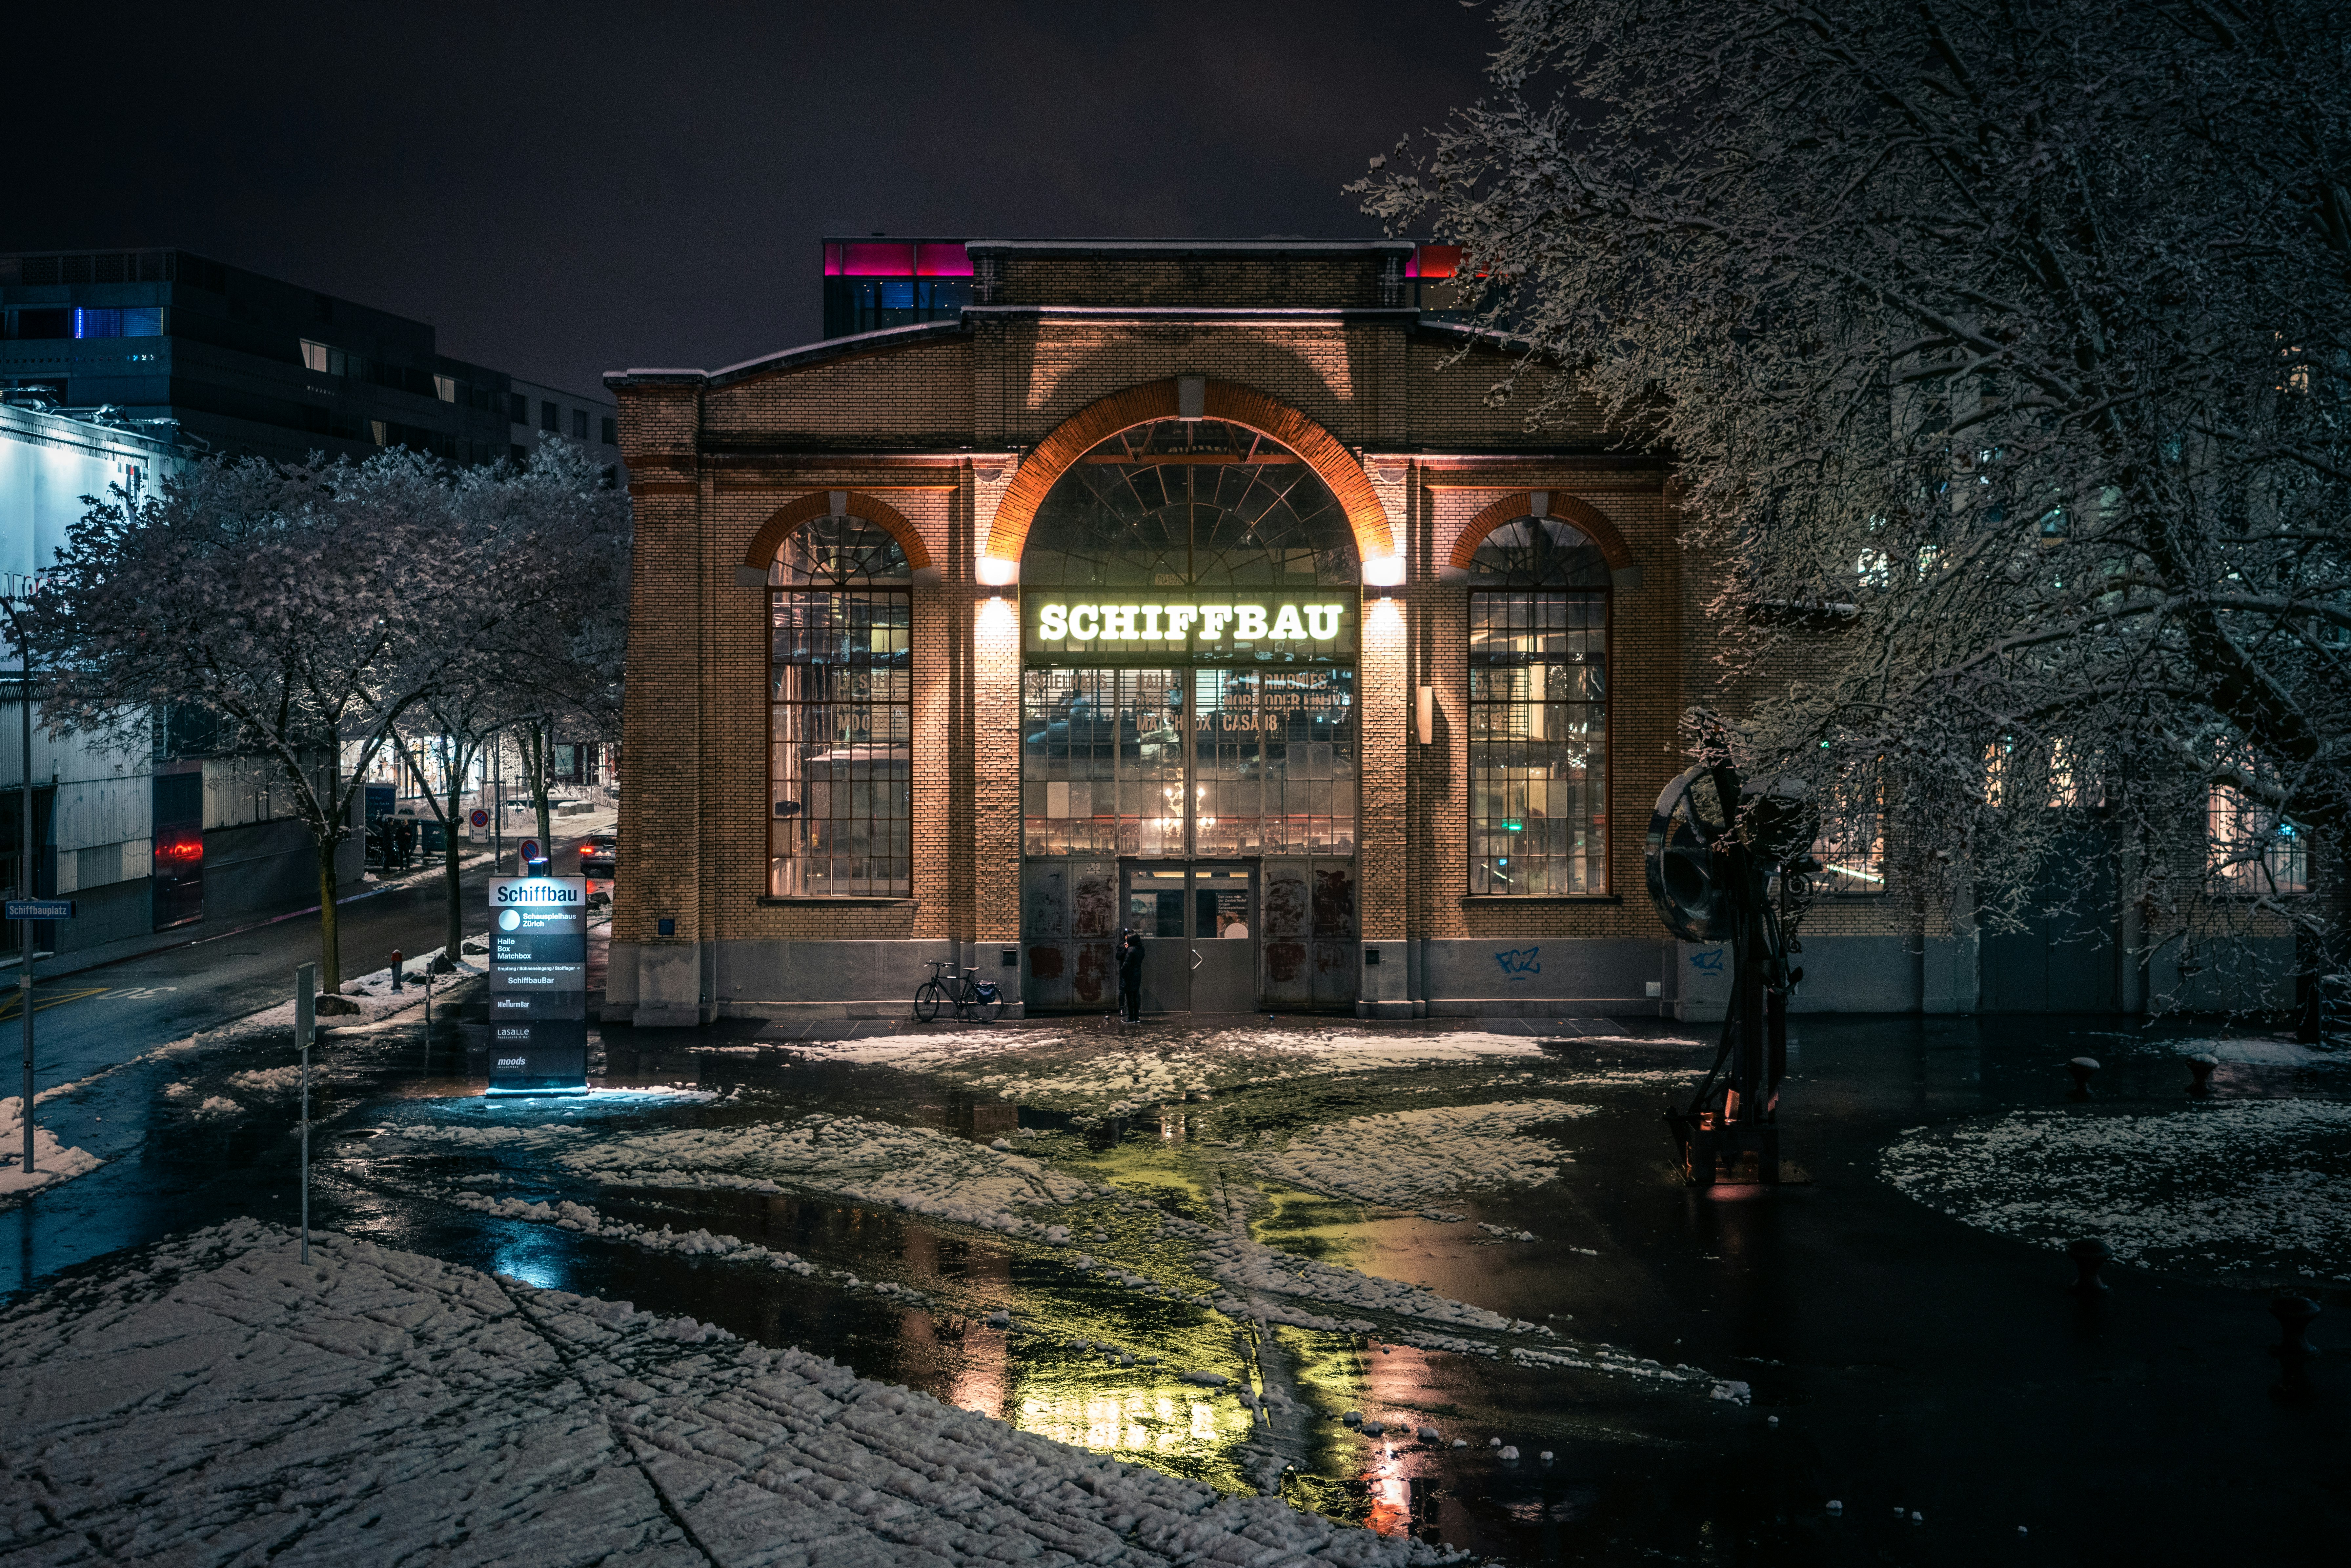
1130	974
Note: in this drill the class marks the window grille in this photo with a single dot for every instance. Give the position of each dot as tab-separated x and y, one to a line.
1538	713
2251	850
840	724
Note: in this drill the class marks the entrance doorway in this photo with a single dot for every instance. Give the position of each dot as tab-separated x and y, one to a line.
1200	933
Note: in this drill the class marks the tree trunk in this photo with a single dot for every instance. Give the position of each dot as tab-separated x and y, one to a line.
541	753
449	875
331	950
2320	955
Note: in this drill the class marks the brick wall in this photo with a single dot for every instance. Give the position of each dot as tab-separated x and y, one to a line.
940	428
1125	279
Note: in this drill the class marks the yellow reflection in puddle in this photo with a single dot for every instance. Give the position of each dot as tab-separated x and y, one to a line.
1133	1420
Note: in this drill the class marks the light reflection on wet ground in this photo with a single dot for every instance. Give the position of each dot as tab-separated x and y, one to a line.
1858	1318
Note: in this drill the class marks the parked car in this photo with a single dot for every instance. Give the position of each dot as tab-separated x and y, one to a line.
599	853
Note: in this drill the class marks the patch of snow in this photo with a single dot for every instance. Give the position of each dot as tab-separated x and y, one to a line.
444	1415
1079	1072
2250	1184
915	1169
52	1163
1249	1266
268	1080
1404	1157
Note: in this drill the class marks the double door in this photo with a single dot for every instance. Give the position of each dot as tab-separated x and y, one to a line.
1200	932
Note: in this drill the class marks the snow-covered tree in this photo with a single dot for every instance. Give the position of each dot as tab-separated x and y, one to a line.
2014	341
558	664
316	608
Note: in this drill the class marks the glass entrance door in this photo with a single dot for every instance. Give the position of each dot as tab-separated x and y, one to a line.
1154	910
1211	809
1199	929
1224	939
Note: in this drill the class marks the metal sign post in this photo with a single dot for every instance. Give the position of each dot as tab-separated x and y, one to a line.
306	1000
24	886
26	911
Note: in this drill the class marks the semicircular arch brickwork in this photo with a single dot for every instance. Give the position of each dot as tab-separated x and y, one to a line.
1235	405
1566	507
761	553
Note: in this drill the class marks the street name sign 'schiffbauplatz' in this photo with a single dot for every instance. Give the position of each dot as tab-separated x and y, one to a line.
538	985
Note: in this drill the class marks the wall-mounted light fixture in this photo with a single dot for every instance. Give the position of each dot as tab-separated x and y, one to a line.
995	573
1384	574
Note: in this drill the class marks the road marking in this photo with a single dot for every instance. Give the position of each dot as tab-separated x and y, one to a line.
144	993
10	1006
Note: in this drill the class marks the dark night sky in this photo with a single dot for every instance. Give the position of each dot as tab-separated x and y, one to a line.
569	189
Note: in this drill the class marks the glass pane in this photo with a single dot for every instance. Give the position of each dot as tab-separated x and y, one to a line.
1539	552
1538	744
1179	504
839	551
840	735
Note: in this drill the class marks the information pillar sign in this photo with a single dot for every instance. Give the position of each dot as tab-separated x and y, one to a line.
538	985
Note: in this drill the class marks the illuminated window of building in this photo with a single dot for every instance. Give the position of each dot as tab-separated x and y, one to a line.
2249	849
1538	713
840	715
1200	745
1851	845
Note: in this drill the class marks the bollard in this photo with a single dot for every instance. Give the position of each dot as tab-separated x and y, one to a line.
2082	1067
2199	1073
395	969
2089	1256
2293	1351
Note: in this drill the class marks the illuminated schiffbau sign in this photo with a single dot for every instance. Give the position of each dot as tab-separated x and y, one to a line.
1086	623
1240	626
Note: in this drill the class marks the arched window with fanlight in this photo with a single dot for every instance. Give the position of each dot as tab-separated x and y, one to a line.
841	714
1537	624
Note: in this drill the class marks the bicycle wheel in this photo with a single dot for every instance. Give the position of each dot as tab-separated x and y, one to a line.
928	997
987	1009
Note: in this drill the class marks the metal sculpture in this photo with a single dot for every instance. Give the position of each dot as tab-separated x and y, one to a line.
1732	863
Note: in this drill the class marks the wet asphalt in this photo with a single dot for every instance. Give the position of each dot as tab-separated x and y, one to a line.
1901	1362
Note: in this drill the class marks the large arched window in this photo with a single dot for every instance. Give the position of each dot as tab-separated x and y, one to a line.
1189	752
1538	713
840	717
1190	503
1187	734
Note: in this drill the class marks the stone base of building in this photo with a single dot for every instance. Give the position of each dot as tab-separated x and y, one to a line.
680	985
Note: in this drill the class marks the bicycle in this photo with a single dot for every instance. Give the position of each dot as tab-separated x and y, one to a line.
972	997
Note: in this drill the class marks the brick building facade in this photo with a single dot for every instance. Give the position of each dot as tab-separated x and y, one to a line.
1357	692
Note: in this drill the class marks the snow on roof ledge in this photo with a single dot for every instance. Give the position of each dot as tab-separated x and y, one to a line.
822	349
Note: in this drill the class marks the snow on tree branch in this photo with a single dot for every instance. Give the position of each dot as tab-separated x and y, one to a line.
2026	332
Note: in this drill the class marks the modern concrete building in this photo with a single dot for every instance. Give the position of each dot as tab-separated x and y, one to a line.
590	420
228	361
